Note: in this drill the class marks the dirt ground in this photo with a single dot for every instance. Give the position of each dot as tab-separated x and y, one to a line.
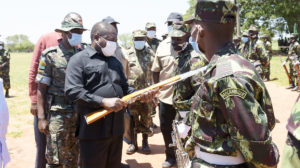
22	149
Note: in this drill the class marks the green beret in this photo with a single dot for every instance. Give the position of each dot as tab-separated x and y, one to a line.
216	11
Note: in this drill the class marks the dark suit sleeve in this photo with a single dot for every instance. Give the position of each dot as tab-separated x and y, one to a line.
74	84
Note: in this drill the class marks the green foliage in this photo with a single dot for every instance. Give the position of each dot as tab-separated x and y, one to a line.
271	15
19	43
125	40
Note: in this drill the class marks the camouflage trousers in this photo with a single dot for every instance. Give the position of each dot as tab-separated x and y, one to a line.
199	163
141	113
291	153
292	72
62	146
6	79
266	69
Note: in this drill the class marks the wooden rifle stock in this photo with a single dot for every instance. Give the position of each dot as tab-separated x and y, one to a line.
298	73
287	73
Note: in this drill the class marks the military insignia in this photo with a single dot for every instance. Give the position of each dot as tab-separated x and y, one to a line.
230	92
42	64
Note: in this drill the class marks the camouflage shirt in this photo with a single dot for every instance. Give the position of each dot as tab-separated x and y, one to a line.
294	49
53	66
139	62
153	44
244	48
186	61
232	111
256	51
4	57
293	125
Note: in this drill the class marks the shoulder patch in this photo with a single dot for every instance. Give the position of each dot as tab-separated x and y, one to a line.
230	92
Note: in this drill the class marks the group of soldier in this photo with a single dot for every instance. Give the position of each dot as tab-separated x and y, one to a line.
4	68
224	114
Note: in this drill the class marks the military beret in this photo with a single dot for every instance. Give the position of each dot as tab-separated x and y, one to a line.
70	22
150	25
253	28
139	33
216	11
179	30
110	20
173	17
1	43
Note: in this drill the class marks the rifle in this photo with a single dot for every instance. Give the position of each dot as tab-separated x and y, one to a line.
131	98
298	73
287	72
182	157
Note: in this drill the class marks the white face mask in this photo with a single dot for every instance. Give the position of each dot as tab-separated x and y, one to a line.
151	34
1	47
170	28
139	45
75	40
109	49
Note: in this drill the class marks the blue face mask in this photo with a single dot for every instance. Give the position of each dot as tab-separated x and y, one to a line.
245	39
75	40
194	44
139	45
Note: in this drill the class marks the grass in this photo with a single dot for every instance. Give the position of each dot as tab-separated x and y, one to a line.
277	71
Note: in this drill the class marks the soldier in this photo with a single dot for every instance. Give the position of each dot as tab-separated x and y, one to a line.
237	43
140	62
152	41
4	68
186	60
163	68
244	45
292	59
256	53
232	110
291	152
56	116
267	64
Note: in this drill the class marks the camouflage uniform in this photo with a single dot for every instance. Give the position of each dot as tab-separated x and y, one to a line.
186	60
4	72
232	110
244	47
267	63
62	147
155	42
291	152
140	62
292	59
256	54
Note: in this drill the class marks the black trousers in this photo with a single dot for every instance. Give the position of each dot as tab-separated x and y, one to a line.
102	153
40	140
167	114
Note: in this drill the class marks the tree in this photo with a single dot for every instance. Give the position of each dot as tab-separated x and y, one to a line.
19	43
272	16
126	40
191	11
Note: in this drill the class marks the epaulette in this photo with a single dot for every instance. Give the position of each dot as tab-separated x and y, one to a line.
223	67
49	50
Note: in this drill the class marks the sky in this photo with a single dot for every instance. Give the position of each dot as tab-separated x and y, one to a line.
37	17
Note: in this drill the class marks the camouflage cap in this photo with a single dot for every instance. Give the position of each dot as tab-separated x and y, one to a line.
1	43
179	30
139	33
150	25
70	22
236	38
253	28
264	36
216	11
294	35
110	20
245	34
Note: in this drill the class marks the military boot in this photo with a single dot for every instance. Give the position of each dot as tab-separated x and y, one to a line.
133	146
145	146
291	86
7	93
295	88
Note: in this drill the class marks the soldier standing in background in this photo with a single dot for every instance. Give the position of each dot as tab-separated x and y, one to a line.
56	116
152	41
244	45
232	110
4	68
292	59
140	60
237	43
268	49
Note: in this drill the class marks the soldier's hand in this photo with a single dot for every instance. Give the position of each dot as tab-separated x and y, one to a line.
33	109
113	104
43	126
148	96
